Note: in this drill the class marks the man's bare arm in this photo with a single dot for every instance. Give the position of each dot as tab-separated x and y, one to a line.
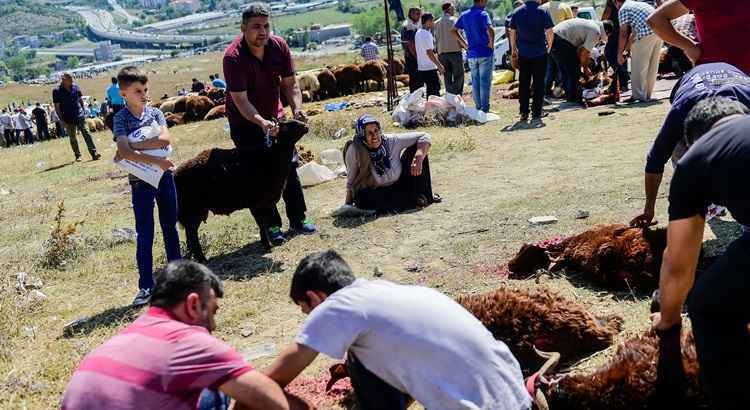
290	89
491	34
255	391
651	183
513	35
661	22
684	241
290	364
459	38
623	42
550	39
247	109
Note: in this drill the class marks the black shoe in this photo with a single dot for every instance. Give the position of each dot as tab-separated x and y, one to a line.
96	156
524	117
540	116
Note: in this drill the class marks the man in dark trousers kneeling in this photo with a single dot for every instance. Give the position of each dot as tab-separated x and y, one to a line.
400	342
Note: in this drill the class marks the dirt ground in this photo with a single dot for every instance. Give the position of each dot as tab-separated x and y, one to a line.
492	178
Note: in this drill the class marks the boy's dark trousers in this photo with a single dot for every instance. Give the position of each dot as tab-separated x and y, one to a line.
432	80
42	132
372	392
294	198
144	195
532	69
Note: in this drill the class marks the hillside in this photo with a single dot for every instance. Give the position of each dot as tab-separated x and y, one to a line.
31	17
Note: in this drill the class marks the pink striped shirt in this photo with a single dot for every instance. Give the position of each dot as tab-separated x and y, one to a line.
157	362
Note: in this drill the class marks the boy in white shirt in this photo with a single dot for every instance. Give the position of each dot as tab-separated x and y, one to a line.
428	64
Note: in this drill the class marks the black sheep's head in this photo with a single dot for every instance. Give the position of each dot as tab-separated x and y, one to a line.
291	131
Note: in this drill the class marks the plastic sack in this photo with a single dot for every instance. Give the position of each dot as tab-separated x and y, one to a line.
148	173
335	106
415	101
437	104
331	158
313	173
503	77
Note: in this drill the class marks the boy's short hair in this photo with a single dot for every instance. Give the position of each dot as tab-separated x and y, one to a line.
255	10
129	75
325	272
426	17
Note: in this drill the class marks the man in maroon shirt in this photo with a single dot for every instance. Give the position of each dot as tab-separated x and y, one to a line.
722	27
258	68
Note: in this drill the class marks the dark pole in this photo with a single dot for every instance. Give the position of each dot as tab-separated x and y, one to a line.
391	79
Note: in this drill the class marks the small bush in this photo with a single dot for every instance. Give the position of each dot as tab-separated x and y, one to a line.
62	245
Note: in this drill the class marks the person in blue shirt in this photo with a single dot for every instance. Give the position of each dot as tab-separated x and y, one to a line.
218	82
702	82
115	100
480	45
531	38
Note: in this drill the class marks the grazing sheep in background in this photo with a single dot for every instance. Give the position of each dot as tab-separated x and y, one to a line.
174	119
90	124
403	79
348	79
169	105
210	181
220	111
309	82
306	97
196	108
328	87
109	120
611	256
527	319
398	66
99	124
629	381
374	71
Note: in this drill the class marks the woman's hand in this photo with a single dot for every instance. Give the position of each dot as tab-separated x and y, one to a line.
416	164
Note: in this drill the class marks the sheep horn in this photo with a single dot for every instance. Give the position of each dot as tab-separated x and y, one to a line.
553	358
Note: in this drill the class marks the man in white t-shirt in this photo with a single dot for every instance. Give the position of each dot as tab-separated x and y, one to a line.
400	342
428	64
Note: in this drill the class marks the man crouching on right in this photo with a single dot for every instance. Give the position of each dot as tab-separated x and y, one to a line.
400	342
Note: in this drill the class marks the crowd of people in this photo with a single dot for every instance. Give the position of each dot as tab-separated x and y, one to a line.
405	343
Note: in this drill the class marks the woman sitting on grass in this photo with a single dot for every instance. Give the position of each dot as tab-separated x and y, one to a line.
380	177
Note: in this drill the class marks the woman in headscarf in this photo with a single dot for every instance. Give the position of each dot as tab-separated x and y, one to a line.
380	176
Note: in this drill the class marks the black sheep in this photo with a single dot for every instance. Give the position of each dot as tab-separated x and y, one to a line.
226	180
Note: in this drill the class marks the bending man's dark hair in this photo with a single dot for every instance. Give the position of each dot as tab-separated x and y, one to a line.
255	10
326	272
707	113
181	278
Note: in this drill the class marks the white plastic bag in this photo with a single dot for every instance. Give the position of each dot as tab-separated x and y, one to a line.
313	173
332	158
146	172
438	105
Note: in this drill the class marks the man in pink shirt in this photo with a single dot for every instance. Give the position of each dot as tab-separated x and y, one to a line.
167	357
722	27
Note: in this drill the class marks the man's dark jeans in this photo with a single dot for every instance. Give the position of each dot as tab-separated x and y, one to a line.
294	198
567	59
532	69
80	125
454	72
28	135
372	392
719	310
432	80
10	138
42	132
410	67
144	195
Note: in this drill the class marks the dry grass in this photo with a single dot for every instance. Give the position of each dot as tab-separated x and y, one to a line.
492	182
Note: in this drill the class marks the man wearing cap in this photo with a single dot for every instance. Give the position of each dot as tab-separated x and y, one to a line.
258	68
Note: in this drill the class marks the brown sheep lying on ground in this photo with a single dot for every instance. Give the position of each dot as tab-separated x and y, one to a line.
327	82
210	181
196	108
527	319
612	256
629	381
174	119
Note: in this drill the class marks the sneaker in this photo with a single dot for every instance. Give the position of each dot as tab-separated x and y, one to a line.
142	298
524	117
305	227
78	159
276	236
540	116
96	156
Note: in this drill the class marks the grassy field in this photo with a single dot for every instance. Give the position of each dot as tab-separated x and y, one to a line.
492	180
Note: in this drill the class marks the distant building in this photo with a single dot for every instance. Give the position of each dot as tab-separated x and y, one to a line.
186	6
27	41
106	51
320	34
153	4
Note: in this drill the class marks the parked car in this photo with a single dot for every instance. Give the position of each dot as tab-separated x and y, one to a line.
502	50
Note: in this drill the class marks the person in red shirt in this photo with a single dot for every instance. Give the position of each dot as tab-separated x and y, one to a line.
258	68
722	29
167	357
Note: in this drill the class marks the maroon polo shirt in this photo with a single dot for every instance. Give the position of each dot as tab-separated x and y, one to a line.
260	79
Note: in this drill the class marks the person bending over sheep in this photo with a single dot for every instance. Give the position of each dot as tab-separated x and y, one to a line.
712	171
133	118
400	342
380	176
